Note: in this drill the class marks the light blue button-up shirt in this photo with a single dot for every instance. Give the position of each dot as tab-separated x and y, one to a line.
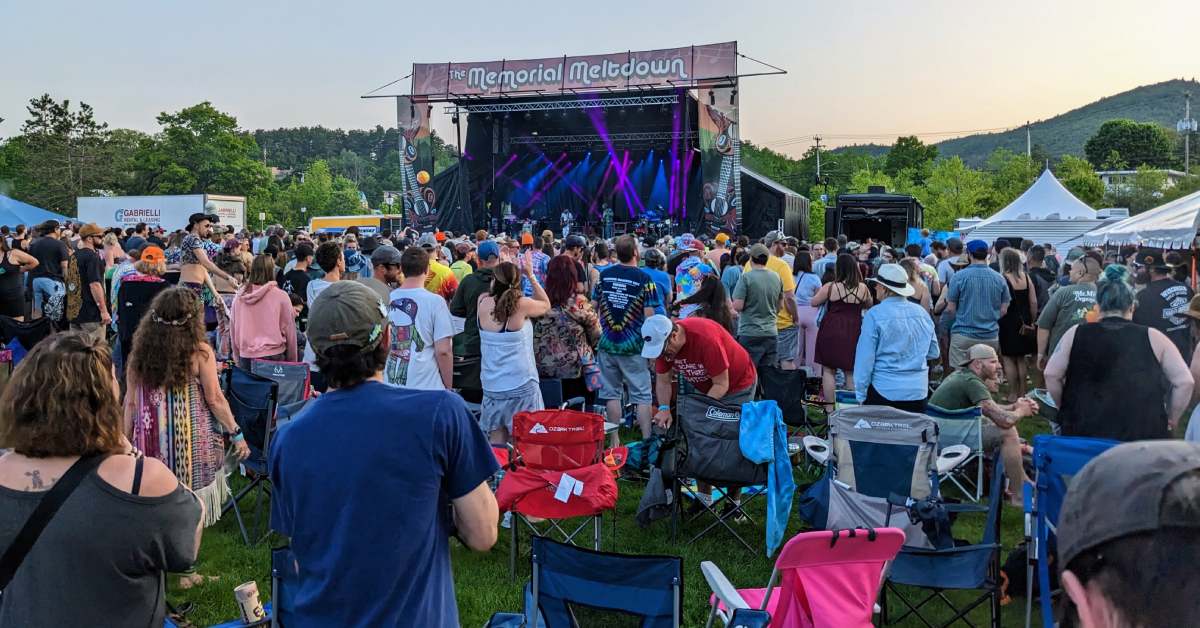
896	342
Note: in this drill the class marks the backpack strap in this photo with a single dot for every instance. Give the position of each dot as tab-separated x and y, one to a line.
42	514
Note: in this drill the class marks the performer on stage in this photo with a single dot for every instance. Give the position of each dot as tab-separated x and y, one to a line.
566	219
606	215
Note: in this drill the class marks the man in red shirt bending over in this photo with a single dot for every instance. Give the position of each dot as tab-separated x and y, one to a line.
707	357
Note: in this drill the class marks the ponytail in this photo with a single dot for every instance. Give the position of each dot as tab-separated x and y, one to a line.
506	290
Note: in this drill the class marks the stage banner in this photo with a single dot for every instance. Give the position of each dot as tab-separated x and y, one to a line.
667	67
720	159
416	162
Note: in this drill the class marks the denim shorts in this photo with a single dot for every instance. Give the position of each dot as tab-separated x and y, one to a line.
629	371
44	288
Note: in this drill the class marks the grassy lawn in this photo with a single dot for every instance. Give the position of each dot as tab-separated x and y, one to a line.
483	585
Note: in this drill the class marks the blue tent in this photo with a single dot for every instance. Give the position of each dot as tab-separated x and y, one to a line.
14	212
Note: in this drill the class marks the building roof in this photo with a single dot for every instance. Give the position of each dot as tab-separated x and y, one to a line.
1046	199
769	183
1171	225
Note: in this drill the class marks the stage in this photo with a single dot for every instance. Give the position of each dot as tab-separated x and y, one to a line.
643	142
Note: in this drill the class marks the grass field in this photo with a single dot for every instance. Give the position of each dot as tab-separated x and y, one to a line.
482	582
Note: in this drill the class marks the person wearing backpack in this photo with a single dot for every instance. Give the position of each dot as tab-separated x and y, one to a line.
87	309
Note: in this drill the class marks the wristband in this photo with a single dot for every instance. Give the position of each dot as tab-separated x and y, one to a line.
237	437
664	408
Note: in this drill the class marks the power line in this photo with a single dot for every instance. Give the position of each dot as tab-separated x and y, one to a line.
869	136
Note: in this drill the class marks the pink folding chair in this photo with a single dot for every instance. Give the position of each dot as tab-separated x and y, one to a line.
825	578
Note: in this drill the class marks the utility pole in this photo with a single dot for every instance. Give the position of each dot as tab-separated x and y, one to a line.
1028	141
1187	126
817	145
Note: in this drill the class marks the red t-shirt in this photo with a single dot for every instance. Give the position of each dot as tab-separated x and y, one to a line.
709	350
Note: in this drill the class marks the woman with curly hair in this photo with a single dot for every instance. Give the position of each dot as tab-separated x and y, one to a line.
508	370
173	398
564	338
127	521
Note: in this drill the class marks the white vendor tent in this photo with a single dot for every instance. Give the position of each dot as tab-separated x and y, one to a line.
1046	199
1169	226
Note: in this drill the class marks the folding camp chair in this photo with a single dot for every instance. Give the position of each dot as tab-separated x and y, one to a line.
706	449
253	400
556	472
964	567
293	378
961	432
825	578
22	336
1056	459
573	587
279	610
873	452
788	389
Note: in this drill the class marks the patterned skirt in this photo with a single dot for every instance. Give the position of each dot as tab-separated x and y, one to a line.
176	427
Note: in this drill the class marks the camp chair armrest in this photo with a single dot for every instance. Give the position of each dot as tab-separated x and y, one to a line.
952	457
965	549
816	448
724	590
966	507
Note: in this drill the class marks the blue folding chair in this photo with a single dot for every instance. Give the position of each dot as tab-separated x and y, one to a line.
571	587
253	400
961	431
967	567
1056	459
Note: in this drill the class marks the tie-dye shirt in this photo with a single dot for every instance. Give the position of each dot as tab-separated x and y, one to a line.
621	297
688	276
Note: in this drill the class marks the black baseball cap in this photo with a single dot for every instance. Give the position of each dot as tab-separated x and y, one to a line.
574	241
1121	492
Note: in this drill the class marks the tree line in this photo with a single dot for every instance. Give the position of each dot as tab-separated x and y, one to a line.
64	151
949	188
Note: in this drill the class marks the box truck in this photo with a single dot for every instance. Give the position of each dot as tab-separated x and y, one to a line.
168	212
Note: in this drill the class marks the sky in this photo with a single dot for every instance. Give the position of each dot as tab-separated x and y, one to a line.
855	69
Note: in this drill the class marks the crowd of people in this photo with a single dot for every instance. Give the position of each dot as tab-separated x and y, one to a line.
422	347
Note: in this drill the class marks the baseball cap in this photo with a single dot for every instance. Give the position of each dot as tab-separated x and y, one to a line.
526	238
153	255
574	241
1075	253
771	237
1120	493
462	248
895	278
488	249
978	352
759	251
428	241
975	246
694	245
722	237
345	313
655	331
439	236
385	255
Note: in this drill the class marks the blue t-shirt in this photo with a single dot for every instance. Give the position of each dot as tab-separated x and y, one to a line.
621	296
363	479
978	292
662	281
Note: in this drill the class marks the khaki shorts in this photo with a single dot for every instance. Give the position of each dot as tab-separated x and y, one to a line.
960	345
992	436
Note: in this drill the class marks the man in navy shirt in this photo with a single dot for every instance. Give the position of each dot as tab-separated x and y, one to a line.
370	481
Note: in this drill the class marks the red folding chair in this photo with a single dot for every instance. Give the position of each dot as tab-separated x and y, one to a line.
556	472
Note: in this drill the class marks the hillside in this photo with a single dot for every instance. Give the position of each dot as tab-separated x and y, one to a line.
1067	132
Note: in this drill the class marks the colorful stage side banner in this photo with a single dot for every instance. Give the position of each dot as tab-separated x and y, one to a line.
720	159
416	162
668	67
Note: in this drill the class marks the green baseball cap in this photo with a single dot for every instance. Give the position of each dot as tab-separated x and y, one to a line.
345	313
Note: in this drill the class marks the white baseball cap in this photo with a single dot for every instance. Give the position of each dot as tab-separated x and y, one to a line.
655	332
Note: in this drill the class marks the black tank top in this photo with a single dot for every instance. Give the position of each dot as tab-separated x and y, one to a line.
10	278
1115	385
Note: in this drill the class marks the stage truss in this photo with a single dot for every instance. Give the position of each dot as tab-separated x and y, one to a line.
567	105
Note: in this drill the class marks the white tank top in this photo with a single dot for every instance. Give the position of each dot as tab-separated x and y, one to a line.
507	359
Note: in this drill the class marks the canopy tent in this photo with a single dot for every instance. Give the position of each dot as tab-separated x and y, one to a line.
14	212
1169	226
1046	199
1056	232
